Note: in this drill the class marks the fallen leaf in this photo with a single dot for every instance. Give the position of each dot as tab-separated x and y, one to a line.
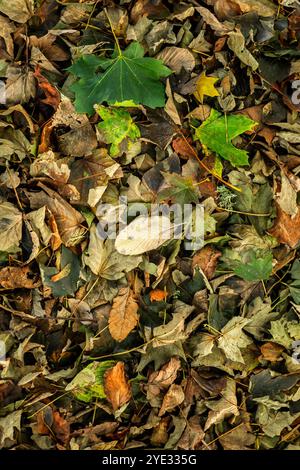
10	226
116	386
163	378
160	433
90	176
271	351
52	95
8	425
223	408
104	260
158	295
286	228
205	86
236	42
69	221
177	58
123	316
207	260
173	398
183	147
17	277
116	125
143	234
17	10
217	133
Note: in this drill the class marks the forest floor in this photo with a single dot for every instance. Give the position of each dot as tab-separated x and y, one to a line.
150	224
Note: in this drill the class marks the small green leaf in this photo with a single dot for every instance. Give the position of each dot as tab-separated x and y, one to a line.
128	75
255	268
117	124
217	132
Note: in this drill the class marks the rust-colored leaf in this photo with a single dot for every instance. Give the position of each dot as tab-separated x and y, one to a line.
286	228
123	316
18	277
51	93
158	295
206	259
116	386
173	398
271	351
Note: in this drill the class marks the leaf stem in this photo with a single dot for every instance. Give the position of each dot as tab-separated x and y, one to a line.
114	34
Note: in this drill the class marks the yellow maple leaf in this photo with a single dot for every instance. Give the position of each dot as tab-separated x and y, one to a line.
205	86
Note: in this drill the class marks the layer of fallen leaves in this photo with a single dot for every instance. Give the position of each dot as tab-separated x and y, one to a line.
136	342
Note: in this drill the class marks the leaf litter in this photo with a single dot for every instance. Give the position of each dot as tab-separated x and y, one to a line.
138	341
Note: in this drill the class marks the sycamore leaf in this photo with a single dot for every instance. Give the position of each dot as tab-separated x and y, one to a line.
256	268
116	386
181	190
128	75
117	124
223	408
205	86
217	132
11	226
233	339
123	316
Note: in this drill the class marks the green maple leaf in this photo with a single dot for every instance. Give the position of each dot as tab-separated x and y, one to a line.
217	132
255	268
117	124
127	76
181	190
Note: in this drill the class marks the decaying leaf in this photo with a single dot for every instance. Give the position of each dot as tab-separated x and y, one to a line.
286	228
116	386
173	398
123	316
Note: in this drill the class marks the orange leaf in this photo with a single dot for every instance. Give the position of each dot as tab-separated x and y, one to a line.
286	228
123	316
271	351
51	93
158	295
116	386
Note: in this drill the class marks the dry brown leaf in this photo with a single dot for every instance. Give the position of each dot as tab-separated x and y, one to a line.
193	435
116	386
286	228
123	315
271	351
206	259
183	147
173	398
160	435
162	378
69	221
177	58
17	277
